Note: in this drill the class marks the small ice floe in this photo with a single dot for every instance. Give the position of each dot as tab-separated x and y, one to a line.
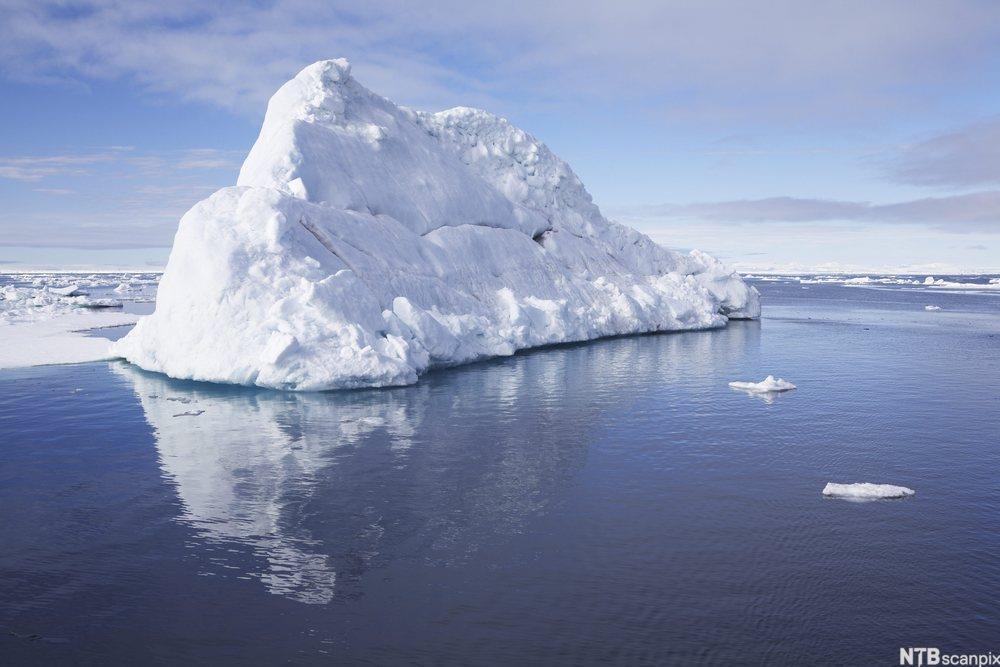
767	385
932	307
87	302
68	290
866	491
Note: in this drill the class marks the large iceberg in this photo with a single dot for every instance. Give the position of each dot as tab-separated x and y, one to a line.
366	242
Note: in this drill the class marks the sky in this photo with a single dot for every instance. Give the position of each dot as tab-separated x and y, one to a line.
783	136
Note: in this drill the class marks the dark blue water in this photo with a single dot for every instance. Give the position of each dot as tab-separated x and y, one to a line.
610	502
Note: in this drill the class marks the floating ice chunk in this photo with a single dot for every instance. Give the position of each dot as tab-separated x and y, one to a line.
87	302
952	286
932	307
866	491
768	384
68	290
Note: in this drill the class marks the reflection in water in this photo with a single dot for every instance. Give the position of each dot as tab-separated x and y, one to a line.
324	487
768	397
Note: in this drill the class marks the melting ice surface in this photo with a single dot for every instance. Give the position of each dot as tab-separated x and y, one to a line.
866	491
365	243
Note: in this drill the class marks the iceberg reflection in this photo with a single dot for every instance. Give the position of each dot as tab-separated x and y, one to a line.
323	487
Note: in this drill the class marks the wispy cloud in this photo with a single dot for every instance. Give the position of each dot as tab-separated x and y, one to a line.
210	158
35	168
978	211
116	197
968	157
233	54
55	191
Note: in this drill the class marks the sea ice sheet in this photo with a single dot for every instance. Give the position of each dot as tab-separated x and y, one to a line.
44	317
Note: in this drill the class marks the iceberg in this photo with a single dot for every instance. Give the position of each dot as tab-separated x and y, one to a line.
768	384
365	243
866	491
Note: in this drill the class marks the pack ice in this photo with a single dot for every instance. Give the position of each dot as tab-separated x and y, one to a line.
366	242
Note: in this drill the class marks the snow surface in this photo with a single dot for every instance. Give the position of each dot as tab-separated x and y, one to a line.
866	491
44	316
768	384
365	243
59	340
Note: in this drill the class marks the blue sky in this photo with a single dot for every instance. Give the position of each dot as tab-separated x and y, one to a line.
850	135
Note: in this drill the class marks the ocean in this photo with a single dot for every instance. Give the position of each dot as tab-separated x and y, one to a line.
614	501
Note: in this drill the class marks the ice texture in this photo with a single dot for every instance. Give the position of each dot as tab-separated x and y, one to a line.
866	491
365	243
43	320
768	384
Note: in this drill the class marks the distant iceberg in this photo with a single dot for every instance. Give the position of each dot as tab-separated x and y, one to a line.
365	243
866	491
768	384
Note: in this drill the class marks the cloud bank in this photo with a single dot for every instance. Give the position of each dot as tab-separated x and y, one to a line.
969	157
779	54
973	212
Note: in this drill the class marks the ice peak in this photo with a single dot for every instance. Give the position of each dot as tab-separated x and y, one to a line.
335	70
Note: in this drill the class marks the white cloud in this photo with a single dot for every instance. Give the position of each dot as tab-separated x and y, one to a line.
35	168
732	55
977	211
38	167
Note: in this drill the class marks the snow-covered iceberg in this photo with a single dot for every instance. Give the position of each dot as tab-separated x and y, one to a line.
866	491
365	243
768	384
